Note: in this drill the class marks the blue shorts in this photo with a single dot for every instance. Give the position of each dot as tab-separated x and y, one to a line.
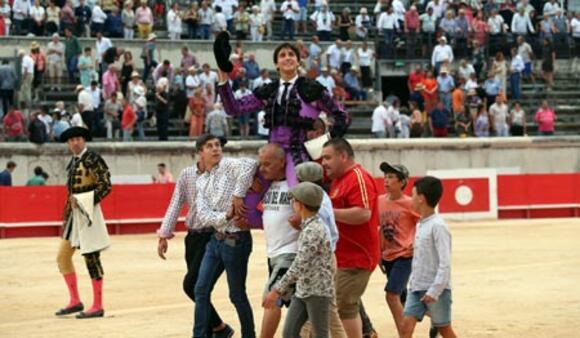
303	15
527	69
440	311
244	119
398	272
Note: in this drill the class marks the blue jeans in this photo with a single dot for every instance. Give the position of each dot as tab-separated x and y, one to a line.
140	131
389	34
515	84
71	67
287	28
231	256
446	99
205	32
230	24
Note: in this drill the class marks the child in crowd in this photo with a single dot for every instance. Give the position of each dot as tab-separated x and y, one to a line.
312	269
430	282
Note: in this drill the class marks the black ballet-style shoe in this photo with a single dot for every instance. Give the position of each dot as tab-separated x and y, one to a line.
86	315
70	309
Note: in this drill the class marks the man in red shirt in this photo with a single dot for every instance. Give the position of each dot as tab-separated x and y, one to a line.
14	125
354	199
128	120
415	77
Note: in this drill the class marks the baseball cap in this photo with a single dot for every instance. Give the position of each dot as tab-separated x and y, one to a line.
398	169
309	172
308	194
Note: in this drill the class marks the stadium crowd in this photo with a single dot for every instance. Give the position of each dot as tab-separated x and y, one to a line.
118	98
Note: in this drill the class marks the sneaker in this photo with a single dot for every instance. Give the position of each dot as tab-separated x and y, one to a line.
227	332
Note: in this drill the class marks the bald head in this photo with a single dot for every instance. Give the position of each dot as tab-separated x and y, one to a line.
272	162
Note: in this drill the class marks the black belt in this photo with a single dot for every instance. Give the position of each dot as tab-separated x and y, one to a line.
222	236
200	231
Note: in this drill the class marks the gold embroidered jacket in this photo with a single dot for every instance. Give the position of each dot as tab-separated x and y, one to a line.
90	172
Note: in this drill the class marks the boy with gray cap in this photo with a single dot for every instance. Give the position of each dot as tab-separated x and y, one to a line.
312	269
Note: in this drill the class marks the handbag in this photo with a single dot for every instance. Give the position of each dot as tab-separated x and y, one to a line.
314	146
187	117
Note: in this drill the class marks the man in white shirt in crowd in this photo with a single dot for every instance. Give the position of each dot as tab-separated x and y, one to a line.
268	9
55	61
380	121
521	23
497	28
207	76
27	73
192	82
205	14
388	24
323	21
326	80
86	108
527	54
362	24
516	68
290	10
551	7
263	79
333	55
228	8
441	53
102	44
428	28
498	114
314	50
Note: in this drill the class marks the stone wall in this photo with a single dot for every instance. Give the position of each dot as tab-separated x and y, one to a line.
526	155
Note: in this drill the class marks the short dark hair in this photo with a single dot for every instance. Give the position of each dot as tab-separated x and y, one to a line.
341	145
161	165
203	139
431	188
11	164
38	171
286	45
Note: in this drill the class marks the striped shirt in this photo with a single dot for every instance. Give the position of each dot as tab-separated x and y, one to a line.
431	270
184	193
231	177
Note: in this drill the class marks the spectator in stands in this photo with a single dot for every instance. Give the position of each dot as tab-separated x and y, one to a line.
500	70
445	84
256	25
347	57
458	98
478	59
575	29
241	23
205	19
526	53
209	77
430	92
197	106
83	19
480	29
473	103
191	18
59	125
481	125
111	84
551	8
380	121
448	26
462	30
128	18
496	30
98	18
326	80
37	16
441	53
13	123
192	82
144	19
216	121
428	29
388	25
45	117
164	67
547	27
252	69
548	61
561	30
220	23
243	119
492	88
20	10
365	57
114	24
517	120
394	114
362	24
412	30
37	129
6	13
127	69
102	44
521	23
289	9
39	68
263	79
163	175
545	118
55	60
162	104
499	115
86	68
439	120
174	22
323	21
128	121
135	82
148	55
26	78
111	111
415	77
333	55
6	174
416	97
267	9
462	123
465	70
344	23
86	108
314	50
8	81
403	126
517	66
352	84
67	17
72	52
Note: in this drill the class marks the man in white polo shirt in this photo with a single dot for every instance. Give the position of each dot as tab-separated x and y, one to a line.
27	72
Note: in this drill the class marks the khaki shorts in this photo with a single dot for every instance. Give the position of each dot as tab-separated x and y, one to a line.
54	69
350	286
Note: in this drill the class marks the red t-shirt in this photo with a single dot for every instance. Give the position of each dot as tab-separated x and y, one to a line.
358	245
415	78
14	124
399	215
129	117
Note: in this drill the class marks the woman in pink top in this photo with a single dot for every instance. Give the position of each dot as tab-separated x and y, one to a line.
111	83
545	118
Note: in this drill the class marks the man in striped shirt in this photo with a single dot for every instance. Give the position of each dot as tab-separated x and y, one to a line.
354	198
195	240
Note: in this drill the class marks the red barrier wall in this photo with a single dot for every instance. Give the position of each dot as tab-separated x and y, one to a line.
139	208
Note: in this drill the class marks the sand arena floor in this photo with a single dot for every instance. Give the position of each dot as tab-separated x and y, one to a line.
511	279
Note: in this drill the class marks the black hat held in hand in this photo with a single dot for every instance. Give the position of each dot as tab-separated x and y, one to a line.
222	51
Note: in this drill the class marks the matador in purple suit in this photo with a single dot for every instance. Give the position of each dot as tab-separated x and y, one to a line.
291	104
